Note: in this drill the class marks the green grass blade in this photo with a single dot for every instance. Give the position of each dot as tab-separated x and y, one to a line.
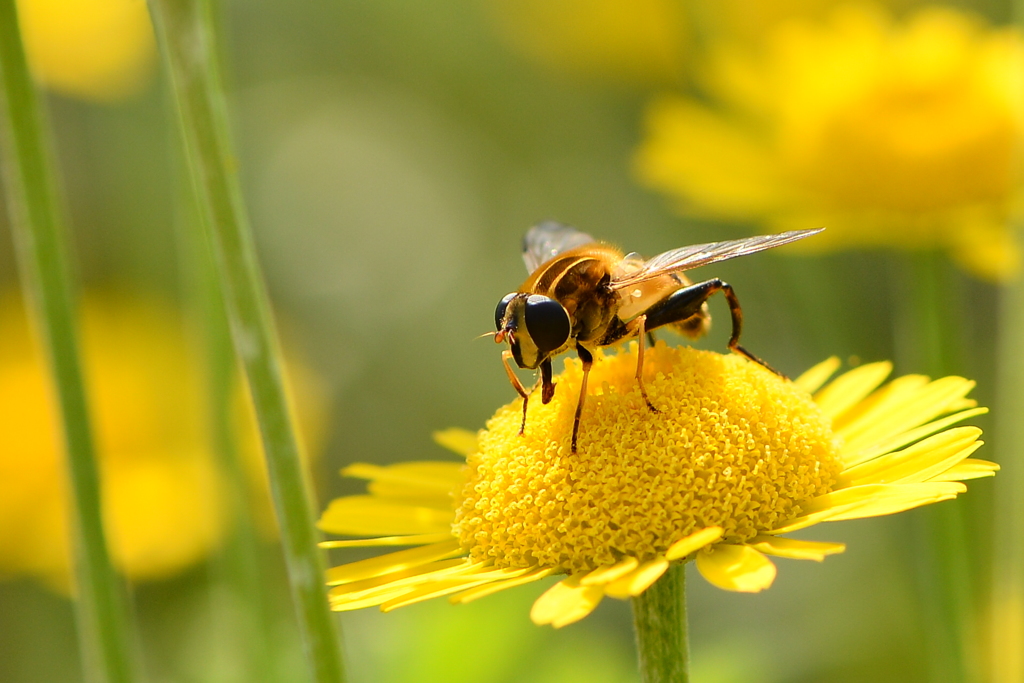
187	39
103	618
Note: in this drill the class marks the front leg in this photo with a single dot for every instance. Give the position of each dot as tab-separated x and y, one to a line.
506	355
548	387
686	302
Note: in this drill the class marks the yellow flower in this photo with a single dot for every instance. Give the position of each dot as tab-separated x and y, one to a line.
100	50
735	457
640	42
903	135
165	502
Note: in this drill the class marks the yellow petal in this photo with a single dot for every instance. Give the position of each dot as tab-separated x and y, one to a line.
411	479
813	378
408	580
397	580
372	516
968	469
638	580
413	539
795	549
367	601
496	586
918	463
461	441
926	404
391	585
433	590
736	568
693	542
850	388
565	602
871	500
603	575
392	562
851	458
893	395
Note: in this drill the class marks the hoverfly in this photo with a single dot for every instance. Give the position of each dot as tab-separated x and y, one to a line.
583	294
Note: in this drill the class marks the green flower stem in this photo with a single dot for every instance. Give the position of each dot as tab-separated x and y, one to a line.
1007	597
237	569
101	607
662	640
187	38
927	341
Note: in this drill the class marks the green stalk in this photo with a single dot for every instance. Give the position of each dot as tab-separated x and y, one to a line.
236	571
1006	661
662	640
927	343
188	43
38	227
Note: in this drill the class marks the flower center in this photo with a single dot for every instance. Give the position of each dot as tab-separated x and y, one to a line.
731	445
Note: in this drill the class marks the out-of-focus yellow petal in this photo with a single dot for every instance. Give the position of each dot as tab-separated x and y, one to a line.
391	562
638	580
604	575
814	378
704	159
371	516
101	50
565	602
968	469
491	588
736	568
461	441
795	549
693	542
641	42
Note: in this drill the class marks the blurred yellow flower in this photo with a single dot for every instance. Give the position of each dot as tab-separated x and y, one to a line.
100	50
165	502
735	457
640	42
905	135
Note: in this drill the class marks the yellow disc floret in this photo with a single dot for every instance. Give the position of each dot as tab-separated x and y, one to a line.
732	445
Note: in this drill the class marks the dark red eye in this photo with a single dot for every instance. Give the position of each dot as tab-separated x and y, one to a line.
547	322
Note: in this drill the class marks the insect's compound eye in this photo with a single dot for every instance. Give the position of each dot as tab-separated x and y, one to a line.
547	322
499	312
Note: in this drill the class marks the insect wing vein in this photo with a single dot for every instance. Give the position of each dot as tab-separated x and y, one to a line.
546	240
695	255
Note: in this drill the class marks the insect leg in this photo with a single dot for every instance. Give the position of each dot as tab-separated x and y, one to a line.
686	302
505	356
588	360
548	391
642	332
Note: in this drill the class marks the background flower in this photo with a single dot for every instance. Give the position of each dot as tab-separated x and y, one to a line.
101	50
166	501
890	133
642	42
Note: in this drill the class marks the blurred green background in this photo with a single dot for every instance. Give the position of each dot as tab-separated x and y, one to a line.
392	155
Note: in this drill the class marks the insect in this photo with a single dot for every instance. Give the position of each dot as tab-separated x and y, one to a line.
582	294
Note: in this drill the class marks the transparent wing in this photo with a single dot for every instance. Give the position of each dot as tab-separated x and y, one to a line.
546	240
695	255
